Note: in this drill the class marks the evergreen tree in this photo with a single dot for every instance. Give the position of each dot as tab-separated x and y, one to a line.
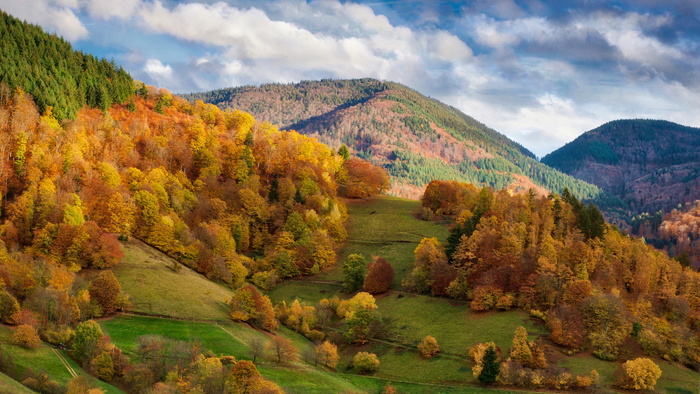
490	366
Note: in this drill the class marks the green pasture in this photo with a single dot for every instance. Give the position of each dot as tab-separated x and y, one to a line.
154	288
10	386
389	227
44	360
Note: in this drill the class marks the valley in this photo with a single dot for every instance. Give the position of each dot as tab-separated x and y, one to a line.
259	240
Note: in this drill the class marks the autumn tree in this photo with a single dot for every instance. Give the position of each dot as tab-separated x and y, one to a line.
26	336
87	337
365	362
102	366
249	305
638	374
327	354
107	291
428	348
282	350
364	179
9	307
354	270
520	349
604	317
379	276
257	347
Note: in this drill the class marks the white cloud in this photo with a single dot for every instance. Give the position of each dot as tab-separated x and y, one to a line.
159	71
55	16
108	9
541	81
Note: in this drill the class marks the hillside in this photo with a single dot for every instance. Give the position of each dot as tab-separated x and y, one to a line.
651	165
416	138
48	68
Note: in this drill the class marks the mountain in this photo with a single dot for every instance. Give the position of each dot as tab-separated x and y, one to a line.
416	138
48	68
651	165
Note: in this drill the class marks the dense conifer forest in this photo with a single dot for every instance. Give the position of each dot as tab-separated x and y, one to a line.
48	68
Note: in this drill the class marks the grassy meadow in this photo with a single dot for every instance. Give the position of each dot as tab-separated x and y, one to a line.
389	227
154	288
43	360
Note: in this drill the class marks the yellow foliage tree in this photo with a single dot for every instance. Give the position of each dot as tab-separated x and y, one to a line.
429	347
639	374
361	300
26	336
327	354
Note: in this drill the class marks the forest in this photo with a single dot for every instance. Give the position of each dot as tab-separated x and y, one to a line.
414	137
232	198
593	286
48	68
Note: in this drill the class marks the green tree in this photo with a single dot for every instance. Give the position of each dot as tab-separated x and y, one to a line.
490	367
87	336
365	362
354	269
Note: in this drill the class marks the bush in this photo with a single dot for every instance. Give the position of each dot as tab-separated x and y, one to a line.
26	336
429	347
365	362
61	335
638	374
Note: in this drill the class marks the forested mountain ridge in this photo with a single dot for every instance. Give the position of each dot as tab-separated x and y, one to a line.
416	138
48	68
650	164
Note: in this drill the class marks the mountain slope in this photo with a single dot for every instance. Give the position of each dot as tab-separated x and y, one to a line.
416	138
650	164
48	68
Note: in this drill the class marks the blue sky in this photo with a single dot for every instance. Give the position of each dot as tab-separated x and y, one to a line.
541	72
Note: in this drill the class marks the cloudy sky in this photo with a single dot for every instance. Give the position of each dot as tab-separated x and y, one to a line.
541	72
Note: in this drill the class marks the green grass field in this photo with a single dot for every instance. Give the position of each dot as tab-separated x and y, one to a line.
156	289
10	386
454	326
44	359
225	338
388	227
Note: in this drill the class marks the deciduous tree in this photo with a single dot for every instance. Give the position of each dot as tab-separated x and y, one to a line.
365	362
282	350
26	336
354	270
327	354
379	276
429	347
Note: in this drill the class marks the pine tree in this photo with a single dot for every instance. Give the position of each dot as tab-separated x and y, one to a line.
490	366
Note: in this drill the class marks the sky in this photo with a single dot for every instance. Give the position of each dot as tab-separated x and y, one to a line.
540	72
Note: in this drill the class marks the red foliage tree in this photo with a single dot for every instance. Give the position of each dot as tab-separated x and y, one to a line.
379	276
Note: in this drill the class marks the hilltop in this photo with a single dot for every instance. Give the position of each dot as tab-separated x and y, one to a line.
651	165
414	137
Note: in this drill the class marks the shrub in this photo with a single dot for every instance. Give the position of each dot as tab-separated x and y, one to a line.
365	362
429	347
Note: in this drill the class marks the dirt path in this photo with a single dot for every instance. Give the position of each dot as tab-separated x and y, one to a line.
65	363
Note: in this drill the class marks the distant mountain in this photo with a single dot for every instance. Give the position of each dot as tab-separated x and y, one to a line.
416	138
48	68
650	164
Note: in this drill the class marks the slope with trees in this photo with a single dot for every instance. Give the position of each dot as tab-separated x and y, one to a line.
56	76
416	138
593	286
651	165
